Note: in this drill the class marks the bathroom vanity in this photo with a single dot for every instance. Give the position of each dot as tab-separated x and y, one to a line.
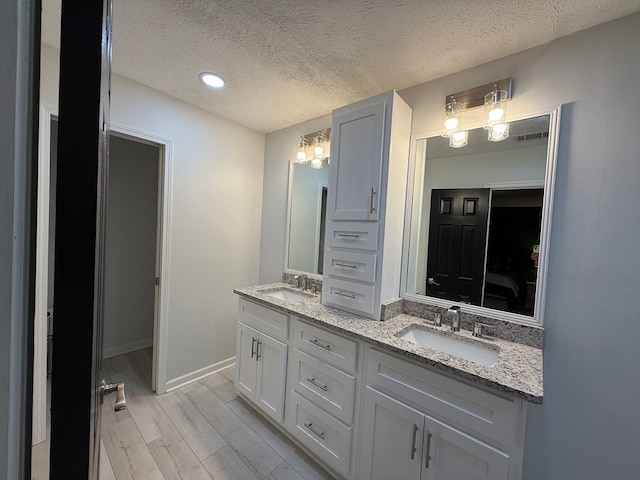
369	404
364	377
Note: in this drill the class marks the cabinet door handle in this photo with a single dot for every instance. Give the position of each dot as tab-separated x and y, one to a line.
319	385
318	344
346	265
349	235
413	441
373	208
314	430
347	295
427	453
253	344
258	350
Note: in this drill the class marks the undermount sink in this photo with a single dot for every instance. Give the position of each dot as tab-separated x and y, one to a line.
288	294
458	347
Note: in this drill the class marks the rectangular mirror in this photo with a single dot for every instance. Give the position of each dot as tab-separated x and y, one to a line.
306	217
478	220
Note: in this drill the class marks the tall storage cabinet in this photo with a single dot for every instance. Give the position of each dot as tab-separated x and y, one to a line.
365	204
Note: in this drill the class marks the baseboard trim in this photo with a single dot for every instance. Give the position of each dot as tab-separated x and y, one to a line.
196	375
128	347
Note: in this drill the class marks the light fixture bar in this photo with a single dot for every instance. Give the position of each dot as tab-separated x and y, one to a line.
311	137
474	97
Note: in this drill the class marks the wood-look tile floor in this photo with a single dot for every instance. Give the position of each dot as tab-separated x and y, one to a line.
200	431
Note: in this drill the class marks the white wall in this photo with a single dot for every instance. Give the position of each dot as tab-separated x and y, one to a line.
214	236
588	427
280	150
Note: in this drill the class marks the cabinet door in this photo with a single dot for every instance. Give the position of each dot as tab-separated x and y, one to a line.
453	455
246	365
391	435
356	162
272	362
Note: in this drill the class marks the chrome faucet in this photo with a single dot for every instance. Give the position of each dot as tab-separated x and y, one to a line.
478	328
454	313
301	281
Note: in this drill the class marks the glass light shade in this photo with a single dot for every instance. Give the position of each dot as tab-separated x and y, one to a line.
499	132
495	108
459	139
301	153
316	163
318	147
450	119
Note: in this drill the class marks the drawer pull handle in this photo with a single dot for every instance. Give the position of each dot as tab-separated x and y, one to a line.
319	385
253	345
373	208
428	452
346	265
321	345
258	350
312	428
413	441
347	295
349	235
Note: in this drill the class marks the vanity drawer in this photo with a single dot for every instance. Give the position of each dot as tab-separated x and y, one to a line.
350	265
325	436
271	322
326	386
351	296
360	235
470	408
326	346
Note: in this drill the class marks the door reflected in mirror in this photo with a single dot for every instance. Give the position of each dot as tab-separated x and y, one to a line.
307	207
477	218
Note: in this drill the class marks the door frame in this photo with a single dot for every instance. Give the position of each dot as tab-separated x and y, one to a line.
48	112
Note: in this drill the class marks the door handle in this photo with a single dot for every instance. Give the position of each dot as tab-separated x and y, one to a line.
431	281
121	401
427	453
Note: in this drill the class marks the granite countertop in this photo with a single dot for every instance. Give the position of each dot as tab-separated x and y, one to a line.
517	371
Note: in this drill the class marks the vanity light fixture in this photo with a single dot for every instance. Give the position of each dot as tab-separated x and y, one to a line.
450	118
499	132
459	139
211	79
313	147
319	146
316	162
495	105
301	154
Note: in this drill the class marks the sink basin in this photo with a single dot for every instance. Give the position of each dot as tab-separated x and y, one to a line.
288	294
458	347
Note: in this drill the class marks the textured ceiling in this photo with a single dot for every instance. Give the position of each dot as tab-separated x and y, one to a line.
286	61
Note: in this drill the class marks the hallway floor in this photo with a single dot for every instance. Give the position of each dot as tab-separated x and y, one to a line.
200	431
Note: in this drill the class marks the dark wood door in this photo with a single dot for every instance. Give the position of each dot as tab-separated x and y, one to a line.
457	237
85	56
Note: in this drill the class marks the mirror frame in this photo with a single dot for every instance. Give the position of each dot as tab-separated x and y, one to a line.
292	271
545	226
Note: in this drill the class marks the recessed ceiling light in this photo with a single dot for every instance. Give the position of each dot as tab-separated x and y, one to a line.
212	80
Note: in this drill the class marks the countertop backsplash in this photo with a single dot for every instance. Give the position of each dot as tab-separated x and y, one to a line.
513	332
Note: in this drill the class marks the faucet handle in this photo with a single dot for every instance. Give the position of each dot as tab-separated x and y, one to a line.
478	328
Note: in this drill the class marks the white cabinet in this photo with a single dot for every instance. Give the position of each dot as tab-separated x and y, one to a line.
399	441
417	424
261	360
365	204
321	380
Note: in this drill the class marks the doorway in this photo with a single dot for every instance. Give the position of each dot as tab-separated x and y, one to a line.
141	167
